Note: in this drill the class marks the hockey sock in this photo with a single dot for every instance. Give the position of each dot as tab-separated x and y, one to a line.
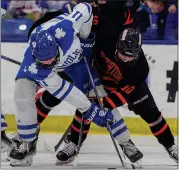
161	131
44	104
75	128
158	126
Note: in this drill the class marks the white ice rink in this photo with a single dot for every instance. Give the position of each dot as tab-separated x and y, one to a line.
98	153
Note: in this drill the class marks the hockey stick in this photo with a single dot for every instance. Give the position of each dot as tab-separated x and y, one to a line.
108	127
10	60
62	138
79	141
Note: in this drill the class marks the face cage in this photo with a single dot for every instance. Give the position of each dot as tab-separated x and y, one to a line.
55	62
128	64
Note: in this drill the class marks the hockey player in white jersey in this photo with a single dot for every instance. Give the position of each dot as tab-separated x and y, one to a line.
54	45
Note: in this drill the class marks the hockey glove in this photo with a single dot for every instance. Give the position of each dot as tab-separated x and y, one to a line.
99	116
87	45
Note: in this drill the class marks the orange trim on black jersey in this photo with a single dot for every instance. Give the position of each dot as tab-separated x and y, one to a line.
129	19
109	88
108	78
111	102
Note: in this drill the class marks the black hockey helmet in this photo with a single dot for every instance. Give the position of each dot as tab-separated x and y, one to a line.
128	46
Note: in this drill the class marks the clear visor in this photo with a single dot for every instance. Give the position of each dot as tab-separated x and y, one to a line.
125	58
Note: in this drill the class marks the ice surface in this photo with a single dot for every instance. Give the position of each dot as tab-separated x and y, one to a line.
97	153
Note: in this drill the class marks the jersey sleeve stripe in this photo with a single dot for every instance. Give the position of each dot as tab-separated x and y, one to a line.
88	7
67	92
60	89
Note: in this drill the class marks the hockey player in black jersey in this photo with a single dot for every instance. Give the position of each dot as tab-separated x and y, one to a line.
123	77
125	73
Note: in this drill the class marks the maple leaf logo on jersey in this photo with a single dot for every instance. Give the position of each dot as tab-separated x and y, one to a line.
59	33
32	69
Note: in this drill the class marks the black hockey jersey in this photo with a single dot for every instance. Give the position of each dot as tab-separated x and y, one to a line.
118	79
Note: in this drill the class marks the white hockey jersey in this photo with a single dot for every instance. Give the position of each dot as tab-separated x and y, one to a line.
65	29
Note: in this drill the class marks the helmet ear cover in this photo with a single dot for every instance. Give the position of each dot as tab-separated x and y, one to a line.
55	62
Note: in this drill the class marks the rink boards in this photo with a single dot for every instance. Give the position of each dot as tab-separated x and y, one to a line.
58	124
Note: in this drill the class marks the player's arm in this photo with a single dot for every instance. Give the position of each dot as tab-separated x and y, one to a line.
66	91
82	18
79	21
113	100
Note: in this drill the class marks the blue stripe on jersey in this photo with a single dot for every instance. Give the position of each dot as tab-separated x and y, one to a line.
88	6
89	10
67	92
115	125
28	136
60	89
3	124
120	131
89	18
45	83
27	127
2	116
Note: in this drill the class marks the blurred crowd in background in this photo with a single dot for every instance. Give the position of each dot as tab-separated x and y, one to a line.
158	19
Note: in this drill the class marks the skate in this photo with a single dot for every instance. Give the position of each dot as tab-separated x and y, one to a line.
67	154
7	143
17	142
131	151
173	152
22	156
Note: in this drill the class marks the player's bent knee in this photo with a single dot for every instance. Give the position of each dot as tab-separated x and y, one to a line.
150	114
49	100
